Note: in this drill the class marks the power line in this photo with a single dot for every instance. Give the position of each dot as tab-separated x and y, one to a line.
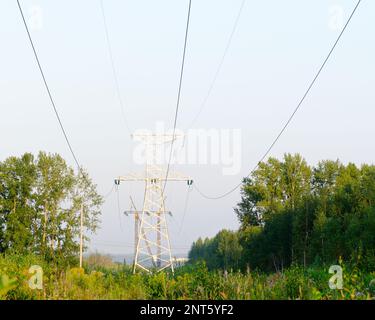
185	209
109	192
119	207
204	102
114	72
293	113
48	90
178	94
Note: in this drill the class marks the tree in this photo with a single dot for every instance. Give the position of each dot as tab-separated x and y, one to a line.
229	249
293	213
17	201
296	175
273	187
261	194
222	251
40	201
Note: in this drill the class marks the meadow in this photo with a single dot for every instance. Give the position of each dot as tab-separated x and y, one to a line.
114	281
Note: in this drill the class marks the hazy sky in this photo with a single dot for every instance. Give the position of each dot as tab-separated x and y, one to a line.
276	50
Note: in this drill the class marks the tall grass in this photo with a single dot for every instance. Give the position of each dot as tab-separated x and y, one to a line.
189	282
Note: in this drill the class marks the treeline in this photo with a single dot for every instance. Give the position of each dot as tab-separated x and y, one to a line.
40	202
293	213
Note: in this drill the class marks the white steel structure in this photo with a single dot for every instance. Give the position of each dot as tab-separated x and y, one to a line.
153	247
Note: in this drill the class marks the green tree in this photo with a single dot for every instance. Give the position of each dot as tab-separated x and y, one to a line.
40	201
293	213
273	187
229	249
17	203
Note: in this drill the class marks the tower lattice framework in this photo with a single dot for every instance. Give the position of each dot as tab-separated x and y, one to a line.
153	246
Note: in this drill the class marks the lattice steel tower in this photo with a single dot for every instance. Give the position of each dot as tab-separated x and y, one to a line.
153	247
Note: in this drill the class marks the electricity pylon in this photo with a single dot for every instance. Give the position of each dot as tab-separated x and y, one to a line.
136	214
153	247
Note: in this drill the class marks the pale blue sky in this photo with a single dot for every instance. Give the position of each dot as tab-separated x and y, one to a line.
275	52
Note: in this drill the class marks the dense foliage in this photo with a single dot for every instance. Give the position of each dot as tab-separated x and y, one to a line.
40	201
293	213
189	282
296	220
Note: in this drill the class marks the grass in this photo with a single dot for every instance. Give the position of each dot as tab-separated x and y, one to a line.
113	281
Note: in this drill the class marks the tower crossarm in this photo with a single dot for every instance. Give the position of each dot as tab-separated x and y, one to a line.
131	177
176	176
172	176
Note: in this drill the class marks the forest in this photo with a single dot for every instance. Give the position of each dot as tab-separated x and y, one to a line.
291	213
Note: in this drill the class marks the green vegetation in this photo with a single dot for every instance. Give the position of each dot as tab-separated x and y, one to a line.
40	199
189	282
296	221
295	214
